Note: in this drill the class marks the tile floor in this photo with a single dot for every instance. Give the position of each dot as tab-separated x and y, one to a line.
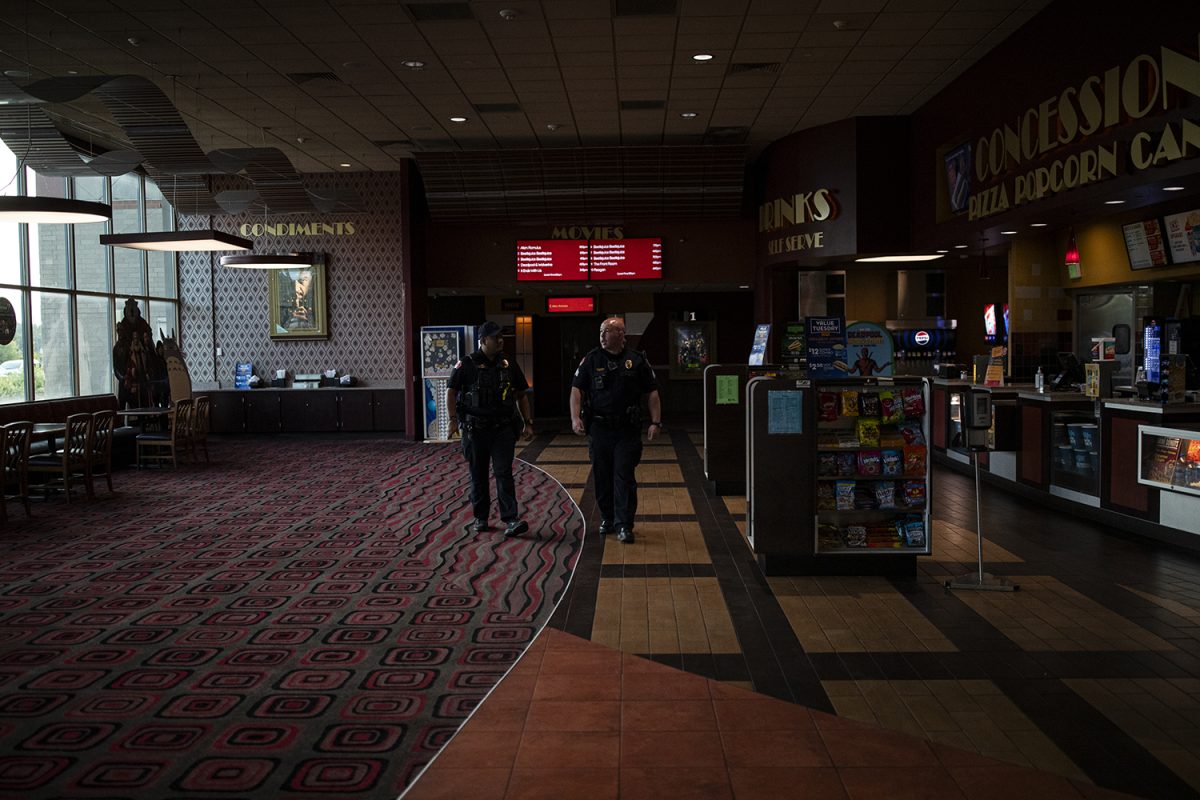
1090	674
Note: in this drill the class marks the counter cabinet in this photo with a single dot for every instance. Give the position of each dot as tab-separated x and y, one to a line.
307	410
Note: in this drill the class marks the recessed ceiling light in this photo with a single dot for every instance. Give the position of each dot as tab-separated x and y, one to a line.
1009	233
414	64
688	114
1173	188
344	164
1113	202
702	57
458	119
22	73
72	72
943	251
744	286
1037	224
960	247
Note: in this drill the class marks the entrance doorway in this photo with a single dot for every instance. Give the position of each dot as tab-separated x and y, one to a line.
559	343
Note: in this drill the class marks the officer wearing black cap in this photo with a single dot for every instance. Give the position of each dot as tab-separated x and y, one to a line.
613	379
487	392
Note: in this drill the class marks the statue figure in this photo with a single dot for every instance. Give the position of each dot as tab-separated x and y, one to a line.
139	369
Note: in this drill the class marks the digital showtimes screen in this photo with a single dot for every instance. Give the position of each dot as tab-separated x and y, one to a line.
596	260
552	260
626	259
570	305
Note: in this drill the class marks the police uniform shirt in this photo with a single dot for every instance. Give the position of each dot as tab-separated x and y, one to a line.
464	376
613	384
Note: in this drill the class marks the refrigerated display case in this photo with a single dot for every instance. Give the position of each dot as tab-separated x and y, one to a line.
1075	451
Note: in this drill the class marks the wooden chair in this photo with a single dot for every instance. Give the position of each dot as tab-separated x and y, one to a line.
102	442
14	449
75	458
200	425
169	445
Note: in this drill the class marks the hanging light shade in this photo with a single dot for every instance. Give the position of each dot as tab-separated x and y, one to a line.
177	241
52	210
1071	260
268	260
1072	257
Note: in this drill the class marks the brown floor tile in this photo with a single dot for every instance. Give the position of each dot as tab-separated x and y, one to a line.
653	750
957	757
865	747
581	662
554	784
446	783
574	715
764	714
1004	783
568	750
748	749
695	783
899	783
577	687
819	783
500	715
480	749
667	715
663	684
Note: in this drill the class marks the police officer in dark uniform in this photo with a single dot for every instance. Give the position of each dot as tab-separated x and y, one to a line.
487	392
613	379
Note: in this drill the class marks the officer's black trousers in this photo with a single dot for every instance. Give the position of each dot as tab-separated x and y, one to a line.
495	446
615	454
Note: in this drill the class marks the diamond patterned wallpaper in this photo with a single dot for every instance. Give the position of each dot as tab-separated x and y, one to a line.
227	308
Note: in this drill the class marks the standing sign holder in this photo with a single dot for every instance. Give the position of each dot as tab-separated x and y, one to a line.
977	421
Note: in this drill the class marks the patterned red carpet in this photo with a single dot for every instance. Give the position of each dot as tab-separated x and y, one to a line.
300	618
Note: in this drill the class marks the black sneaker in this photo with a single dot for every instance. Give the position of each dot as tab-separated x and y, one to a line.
516	527
481	526
625	535
606	527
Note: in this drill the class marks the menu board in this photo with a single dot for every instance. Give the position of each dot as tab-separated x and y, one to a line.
552	260
1183	236
1145	244
626	259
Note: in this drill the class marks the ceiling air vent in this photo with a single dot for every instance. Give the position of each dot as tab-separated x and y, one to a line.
761	67
438	12
726	135
644	8
497	108
642	105
309	77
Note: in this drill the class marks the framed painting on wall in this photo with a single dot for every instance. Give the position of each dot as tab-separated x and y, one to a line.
298	306
692	346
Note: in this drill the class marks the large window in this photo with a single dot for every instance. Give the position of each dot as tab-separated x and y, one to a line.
68	290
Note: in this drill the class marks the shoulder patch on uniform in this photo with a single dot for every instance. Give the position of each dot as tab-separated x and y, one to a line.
629	363
504	363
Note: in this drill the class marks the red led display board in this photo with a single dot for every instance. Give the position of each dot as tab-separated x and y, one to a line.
626	259
552	260
570	305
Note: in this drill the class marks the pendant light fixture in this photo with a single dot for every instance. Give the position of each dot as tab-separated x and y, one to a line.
52	210
178	241
1071	260
270	260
